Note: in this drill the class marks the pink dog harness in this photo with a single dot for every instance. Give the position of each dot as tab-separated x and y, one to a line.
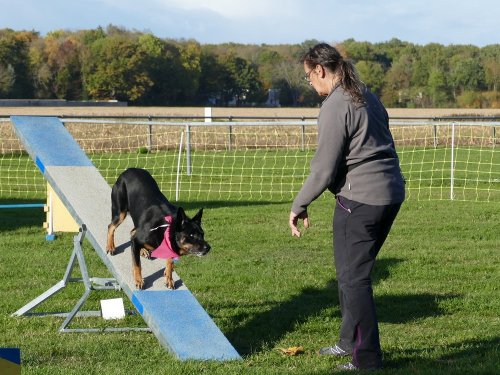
165	251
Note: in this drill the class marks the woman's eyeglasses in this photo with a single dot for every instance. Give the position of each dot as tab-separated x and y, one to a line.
307	76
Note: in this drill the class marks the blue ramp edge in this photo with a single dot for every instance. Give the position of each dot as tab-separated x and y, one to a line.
11	354
48	142
179	320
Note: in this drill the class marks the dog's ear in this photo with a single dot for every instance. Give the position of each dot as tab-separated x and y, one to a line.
197	217
180	218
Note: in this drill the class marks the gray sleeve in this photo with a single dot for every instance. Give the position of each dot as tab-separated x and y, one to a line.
332	134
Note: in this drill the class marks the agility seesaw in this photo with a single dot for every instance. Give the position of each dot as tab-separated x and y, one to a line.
175	316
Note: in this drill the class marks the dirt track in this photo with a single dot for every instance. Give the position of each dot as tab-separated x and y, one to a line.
225	111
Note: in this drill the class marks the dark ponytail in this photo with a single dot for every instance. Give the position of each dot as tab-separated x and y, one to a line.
330	58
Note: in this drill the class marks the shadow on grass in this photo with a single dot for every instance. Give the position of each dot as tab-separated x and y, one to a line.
466	357
263	329
213	204
398	309
15	217
478	357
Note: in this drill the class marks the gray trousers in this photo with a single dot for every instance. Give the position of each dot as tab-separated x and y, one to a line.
359	231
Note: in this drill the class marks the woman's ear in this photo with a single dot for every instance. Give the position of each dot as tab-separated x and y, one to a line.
320	71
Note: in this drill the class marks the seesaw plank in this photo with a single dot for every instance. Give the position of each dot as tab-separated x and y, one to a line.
176	318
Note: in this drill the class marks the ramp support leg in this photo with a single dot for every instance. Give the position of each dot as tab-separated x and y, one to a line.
89	283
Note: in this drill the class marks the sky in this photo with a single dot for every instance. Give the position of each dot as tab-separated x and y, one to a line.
447	22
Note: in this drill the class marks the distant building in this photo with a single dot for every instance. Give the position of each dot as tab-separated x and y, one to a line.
273	98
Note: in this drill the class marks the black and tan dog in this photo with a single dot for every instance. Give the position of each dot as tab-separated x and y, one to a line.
159	226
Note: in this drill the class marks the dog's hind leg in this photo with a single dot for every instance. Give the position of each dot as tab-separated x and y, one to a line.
110	245
119	210
144	250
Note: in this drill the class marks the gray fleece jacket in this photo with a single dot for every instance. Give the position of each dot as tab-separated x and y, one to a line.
356	157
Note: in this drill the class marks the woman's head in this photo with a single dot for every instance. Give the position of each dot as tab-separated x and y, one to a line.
326	60
322	54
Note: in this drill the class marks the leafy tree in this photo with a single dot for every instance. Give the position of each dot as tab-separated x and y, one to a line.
116	70
7	79
14	57
358	51
57	66
437	87
190	55
490	57
40	69
245	85
87	37
162	62
372	74
294	90
492	73
214	79
267	62
397	82
115	63
391	50
467	75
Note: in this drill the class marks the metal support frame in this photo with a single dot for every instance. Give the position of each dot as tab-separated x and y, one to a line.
94	283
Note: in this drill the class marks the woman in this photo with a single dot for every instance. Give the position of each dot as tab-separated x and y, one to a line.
356	160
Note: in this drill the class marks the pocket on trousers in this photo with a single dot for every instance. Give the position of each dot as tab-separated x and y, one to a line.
343	205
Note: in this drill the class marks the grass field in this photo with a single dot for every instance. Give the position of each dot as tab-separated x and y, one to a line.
436	281
436	286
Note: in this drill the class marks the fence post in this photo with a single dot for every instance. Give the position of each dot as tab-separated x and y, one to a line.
230	141
178	179
150	135
302	136
435	136
208	114
452	167
230	144
188	150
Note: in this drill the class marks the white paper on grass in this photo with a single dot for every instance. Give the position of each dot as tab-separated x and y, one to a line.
112	308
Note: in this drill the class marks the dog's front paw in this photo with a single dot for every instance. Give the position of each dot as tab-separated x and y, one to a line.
169	280
169	283
139	283
145	253
110	250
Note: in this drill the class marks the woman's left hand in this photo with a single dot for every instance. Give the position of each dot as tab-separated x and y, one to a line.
294	219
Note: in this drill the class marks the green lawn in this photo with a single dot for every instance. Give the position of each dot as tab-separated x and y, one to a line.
436	286
436	282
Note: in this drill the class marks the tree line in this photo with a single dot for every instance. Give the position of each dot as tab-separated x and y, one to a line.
114	63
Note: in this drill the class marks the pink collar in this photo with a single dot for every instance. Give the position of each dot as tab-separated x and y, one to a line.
165	251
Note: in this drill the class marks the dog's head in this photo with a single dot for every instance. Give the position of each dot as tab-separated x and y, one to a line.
189	235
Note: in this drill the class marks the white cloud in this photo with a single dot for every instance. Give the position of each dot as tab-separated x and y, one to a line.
270	21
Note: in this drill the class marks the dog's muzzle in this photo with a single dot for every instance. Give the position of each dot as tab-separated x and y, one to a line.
201	251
